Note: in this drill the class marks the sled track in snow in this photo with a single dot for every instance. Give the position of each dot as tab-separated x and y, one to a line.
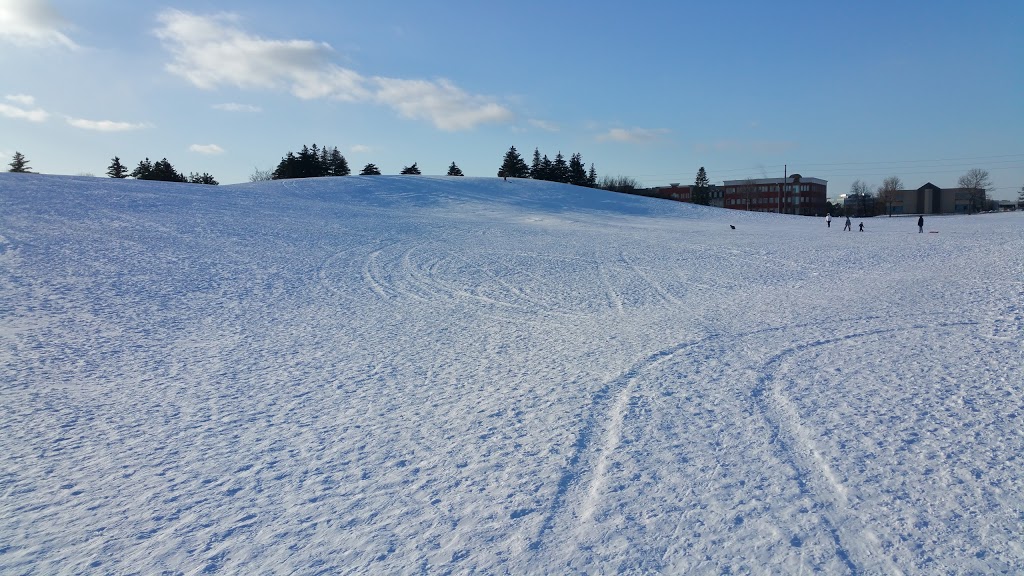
796	445
505	285
580	490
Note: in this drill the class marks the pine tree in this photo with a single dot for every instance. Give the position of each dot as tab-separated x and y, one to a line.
700	188
164	171
143	170
535	171
547	169
513	166
592	177
370	170
414	169
1020	198
19	163
305	167
577	173
337	165
203	178
286	168
454	170
561	169
116	169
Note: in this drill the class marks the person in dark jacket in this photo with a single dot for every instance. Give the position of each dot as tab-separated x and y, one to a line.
847	227
920	224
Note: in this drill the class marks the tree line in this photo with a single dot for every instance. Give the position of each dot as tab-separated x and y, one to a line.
544	168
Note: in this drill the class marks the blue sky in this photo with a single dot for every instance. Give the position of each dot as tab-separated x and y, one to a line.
650	90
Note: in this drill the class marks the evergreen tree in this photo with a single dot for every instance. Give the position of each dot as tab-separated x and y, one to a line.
700	188
577	173
143	170
19	163
414	169
337	165
454	170
546	170
513	166
316	167
535	171
203	178
312	162
370	170
286	168
164	171
305	166
116	169
592	177
1020	198
560	169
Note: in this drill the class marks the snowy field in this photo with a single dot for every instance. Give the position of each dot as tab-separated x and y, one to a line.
404	375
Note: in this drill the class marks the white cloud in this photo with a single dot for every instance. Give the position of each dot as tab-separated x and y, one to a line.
441	102
212	51
105	125
206	149
32	23
23	99
633	135
544	125
360	149
37	115
232	107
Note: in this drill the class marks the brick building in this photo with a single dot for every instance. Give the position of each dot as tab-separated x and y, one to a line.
792	195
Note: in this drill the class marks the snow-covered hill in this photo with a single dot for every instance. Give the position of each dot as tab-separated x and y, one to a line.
391	375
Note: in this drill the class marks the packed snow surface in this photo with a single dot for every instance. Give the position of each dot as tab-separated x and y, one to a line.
396	375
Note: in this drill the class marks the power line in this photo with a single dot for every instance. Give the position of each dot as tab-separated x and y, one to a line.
877	167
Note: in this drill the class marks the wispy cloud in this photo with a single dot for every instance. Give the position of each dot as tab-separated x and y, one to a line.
23	99
441	102
211	149
105	125
633	135
32	24
360	149
212	51
232	107
35	115
544	125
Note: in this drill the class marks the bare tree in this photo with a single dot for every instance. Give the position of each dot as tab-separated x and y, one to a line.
976	181
261	175
888	191
1020	198
619	184
860	191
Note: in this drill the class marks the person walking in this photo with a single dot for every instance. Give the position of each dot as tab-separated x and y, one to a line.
920	224
828	220
861	226
847	227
